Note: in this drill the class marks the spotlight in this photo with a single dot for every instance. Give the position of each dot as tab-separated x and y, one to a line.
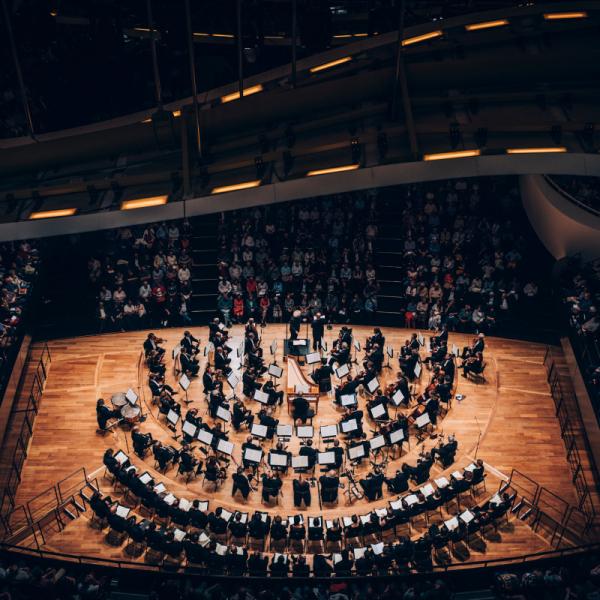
260	166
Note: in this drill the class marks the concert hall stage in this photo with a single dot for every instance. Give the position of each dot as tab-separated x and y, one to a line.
511	415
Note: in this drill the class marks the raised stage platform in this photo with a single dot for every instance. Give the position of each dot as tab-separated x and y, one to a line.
509	420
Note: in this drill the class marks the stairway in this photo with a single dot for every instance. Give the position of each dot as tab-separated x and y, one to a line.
204	270
388	258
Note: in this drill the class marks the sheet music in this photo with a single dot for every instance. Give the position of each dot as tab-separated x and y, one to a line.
301	388
305	431
356	452
336	558
347	521
397	397
427	490
178	535
313	358
277	459
203	540
467	516
348	400
348	426
411	499
377	548
364	519
223	413
232	380
121	457
423	420
189	428
377	442
457	475
261	396
169	499
206	437
381	512
221	550
284	431
328	431
359	552
299	342
258	430
396	504
226	514
471	467
123	511
252	455
225	446
451	524
275	370
442	482
172	417
145	478
300	462
184	382
396	436
418	369
160	488
185	504
131	396
342	371
373	384
326	458
377	411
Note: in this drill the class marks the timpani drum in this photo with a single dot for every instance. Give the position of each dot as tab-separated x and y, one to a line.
119	400
131	414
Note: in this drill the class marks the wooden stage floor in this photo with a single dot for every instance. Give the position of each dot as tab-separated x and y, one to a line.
509	420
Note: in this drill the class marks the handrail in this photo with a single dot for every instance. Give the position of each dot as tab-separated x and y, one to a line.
96	561
26	430
572	199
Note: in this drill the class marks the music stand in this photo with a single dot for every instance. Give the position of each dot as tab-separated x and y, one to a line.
172	420
356	345
205	437
284	432
397	440
357	452
418	369
278	460
259	431
390	354
342	371
326	458
305	432
349	426
189	429
233	380
261	396
252	455
328	432
184	384
300	463
372	385
223	414
348	400
421	423
275	371
273	348
225	447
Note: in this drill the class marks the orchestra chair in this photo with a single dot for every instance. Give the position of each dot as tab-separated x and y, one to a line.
116	536
154	555
161	515
214	479
440	551
131	498
354	539
315	542
97	522
188	472
145	510
296	545
278	545
478	377
137	544
477	485
257	543
388	532
332	545
403	527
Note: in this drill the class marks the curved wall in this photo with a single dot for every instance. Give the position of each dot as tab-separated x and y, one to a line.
563	227
380	176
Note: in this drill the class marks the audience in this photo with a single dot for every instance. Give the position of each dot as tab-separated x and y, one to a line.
18	270
313	255
580	292
585	190
143	276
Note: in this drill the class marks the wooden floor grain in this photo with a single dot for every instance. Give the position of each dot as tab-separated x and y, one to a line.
509	421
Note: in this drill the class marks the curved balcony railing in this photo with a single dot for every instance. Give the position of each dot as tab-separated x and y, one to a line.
563	184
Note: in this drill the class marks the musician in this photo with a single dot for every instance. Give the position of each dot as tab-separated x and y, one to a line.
353	414
189	365
372	484
329	484
414	342
151	345
104	414
301	492
402	386
476	474
251	445
155	362
101	505
398	483
338	452
374	359
198	518
213	472
379	400
408	368
167	403
189	343
348	388
216	400
442	336
308	450
473	364
322	376
301	410
249	383
420	472
279	449
191	416
209	380
164	455
271	483
256	362
376	339
222	361
215	327
318	330
216	523
241	483
250	328
295	322
241	415
257	564
478	345
250	342
188	462
265	419
141	441
443	388
448	367
446	452
275	397
341	356
437	356
300	568
360	442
